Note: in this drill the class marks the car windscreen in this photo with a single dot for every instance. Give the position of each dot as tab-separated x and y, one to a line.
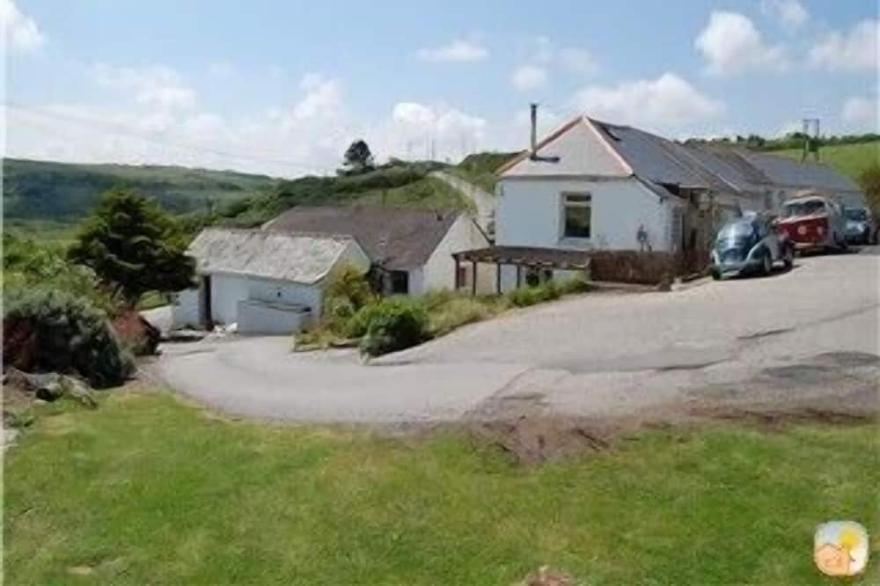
736	231
856	214
804	208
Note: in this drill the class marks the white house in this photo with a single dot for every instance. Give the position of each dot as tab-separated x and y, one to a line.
264	282
410	249
594	186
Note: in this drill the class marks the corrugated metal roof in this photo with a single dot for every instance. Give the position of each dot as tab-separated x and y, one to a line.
272	255
656	158
788	172
718	167
396	238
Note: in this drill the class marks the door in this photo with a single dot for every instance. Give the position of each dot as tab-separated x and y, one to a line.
205	302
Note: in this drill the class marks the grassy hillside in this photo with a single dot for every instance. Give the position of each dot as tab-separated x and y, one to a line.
479	168
848	159
395	184
65	192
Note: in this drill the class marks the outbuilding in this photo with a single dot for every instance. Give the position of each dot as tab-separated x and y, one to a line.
264	282
411	250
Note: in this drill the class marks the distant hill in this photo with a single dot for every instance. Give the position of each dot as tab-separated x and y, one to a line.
65	192
849	159
398	184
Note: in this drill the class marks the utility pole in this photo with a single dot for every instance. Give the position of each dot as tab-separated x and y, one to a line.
811	138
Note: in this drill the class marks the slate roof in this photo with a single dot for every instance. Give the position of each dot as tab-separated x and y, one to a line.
395	238
718	167
302	258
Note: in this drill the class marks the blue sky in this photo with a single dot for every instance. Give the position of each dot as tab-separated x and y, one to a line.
282	87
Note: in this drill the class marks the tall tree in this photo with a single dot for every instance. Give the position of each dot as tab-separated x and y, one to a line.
357	158
134	247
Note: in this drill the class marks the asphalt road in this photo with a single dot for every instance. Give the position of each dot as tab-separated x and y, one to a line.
807	338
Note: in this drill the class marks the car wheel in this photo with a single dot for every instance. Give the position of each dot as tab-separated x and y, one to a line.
716	274
788	258
766	264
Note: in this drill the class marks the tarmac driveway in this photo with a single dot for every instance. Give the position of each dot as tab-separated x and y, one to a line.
807	338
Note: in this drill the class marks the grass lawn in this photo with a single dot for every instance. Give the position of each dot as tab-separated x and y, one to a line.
848	159
147	489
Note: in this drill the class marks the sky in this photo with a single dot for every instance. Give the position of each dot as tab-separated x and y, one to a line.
282	87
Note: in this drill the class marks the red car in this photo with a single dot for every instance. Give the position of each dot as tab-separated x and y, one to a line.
813	222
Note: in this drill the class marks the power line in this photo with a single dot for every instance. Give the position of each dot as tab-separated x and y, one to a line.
119	129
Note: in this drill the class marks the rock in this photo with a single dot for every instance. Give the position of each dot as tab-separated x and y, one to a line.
51	386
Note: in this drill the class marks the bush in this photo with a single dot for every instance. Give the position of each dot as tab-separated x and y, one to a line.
28	264
45	330
351	285
394	324
525	296
458	312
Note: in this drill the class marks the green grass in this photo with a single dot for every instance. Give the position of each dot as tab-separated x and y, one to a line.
847	159
66	191
45	231
480	168
424	193
147	490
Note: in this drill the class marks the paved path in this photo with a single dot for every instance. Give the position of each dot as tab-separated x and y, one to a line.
805	338
482	199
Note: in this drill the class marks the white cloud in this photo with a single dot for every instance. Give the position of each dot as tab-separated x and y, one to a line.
529	77
21	33
417	129
668	103
861	114
853	51
459	50
322	100
731	44
577	60
157	86
790	13
156	120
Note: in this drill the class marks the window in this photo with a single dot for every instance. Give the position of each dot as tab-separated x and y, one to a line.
576	215
536	276
398	282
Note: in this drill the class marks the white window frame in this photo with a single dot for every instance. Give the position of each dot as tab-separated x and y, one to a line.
565	203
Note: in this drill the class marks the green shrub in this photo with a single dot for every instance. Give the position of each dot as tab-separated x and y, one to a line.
525	296
394	324
28	264
351	285
573	286
45	330
457	312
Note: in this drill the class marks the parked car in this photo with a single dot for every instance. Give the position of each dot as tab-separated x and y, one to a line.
750	244
813	222
861	226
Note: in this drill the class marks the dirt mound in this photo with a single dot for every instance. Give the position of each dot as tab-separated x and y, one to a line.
536	439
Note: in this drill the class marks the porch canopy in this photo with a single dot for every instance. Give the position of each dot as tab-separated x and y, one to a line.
520	256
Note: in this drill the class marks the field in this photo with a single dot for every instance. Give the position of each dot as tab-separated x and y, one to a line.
64	192
147	489
848	159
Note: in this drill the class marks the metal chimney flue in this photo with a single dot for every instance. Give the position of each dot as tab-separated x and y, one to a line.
533	142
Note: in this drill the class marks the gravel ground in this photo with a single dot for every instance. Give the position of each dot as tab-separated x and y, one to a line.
803	339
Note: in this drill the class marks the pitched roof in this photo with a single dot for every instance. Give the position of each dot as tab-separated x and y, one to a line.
300	258
395	238
791	173
723	168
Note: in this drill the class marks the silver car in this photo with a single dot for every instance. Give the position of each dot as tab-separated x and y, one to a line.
860	226
751	244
